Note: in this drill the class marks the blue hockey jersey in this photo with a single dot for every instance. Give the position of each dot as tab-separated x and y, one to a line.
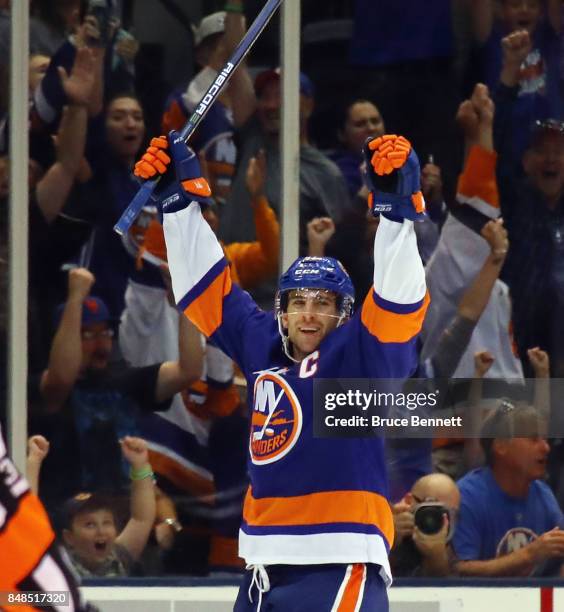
311	500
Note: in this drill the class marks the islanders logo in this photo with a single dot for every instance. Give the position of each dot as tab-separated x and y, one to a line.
277	419
515	539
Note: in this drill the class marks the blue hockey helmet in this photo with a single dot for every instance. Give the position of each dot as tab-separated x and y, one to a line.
321	273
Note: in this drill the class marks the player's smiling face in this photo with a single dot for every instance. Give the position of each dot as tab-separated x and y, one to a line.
311	314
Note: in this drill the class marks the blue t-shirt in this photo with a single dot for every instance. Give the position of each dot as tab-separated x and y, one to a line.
492	524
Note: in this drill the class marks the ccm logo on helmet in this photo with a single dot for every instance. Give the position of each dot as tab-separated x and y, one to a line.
276	421
306	271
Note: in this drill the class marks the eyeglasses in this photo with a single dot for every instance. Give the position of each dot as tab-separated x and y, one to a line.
92	335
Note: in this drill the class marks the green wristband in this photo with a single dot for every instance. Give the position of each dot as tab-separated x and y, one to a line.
141	473
233	8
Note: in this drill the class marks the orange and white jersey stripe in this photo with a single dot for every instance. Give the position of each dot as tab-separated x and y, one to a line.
349	596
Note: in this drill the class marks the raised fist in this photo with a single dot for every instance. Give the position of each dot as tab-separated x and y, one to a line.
394	178
496	236
80	283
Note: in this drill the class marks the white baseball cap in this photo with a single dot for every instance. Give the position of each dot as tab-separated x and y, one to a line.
210	24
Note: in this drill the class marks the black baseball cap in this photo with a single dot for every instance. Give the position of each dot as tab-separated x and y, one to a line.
85	502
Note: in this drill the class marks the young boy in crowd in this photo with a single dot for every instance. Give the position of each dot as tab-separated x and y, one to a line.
91	536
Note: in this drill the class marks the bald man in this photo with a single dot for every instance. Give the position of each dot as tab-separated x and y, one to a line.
417	552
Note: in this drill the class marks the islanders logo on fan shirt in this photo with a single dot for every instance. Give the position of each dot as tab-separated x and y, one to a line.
276	420
515	539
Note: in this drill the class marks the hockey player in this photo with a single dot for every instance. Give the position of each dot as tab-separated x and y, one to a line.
317	527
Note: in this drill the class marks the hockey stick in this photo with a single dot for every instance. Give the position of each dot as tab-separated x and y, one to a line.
144	193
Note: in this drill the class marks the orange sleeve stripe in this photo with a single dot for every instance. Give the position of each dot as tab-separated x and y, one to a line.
362	507
180	476
206	311
390	326
24	541
349	601
478	178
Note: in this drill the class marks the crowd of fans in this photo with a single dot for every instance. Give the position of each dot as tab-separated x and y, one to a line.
127	400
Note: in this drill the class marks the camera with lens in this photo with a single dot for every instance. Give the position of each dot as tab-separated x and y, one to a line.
428	517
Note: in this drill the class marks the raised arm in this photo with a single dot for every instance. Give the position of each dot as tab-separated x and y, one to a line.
241	89
65	357
142	503
201	279
319	232
540	361
393	312
37	449
453	342
54	188
476	298
89	35
461	251
473	453
394	177
55	90
516	47
175	376
257	261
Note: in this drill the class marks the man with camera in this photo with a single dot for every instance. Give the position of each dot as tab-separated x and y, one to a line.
424	521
